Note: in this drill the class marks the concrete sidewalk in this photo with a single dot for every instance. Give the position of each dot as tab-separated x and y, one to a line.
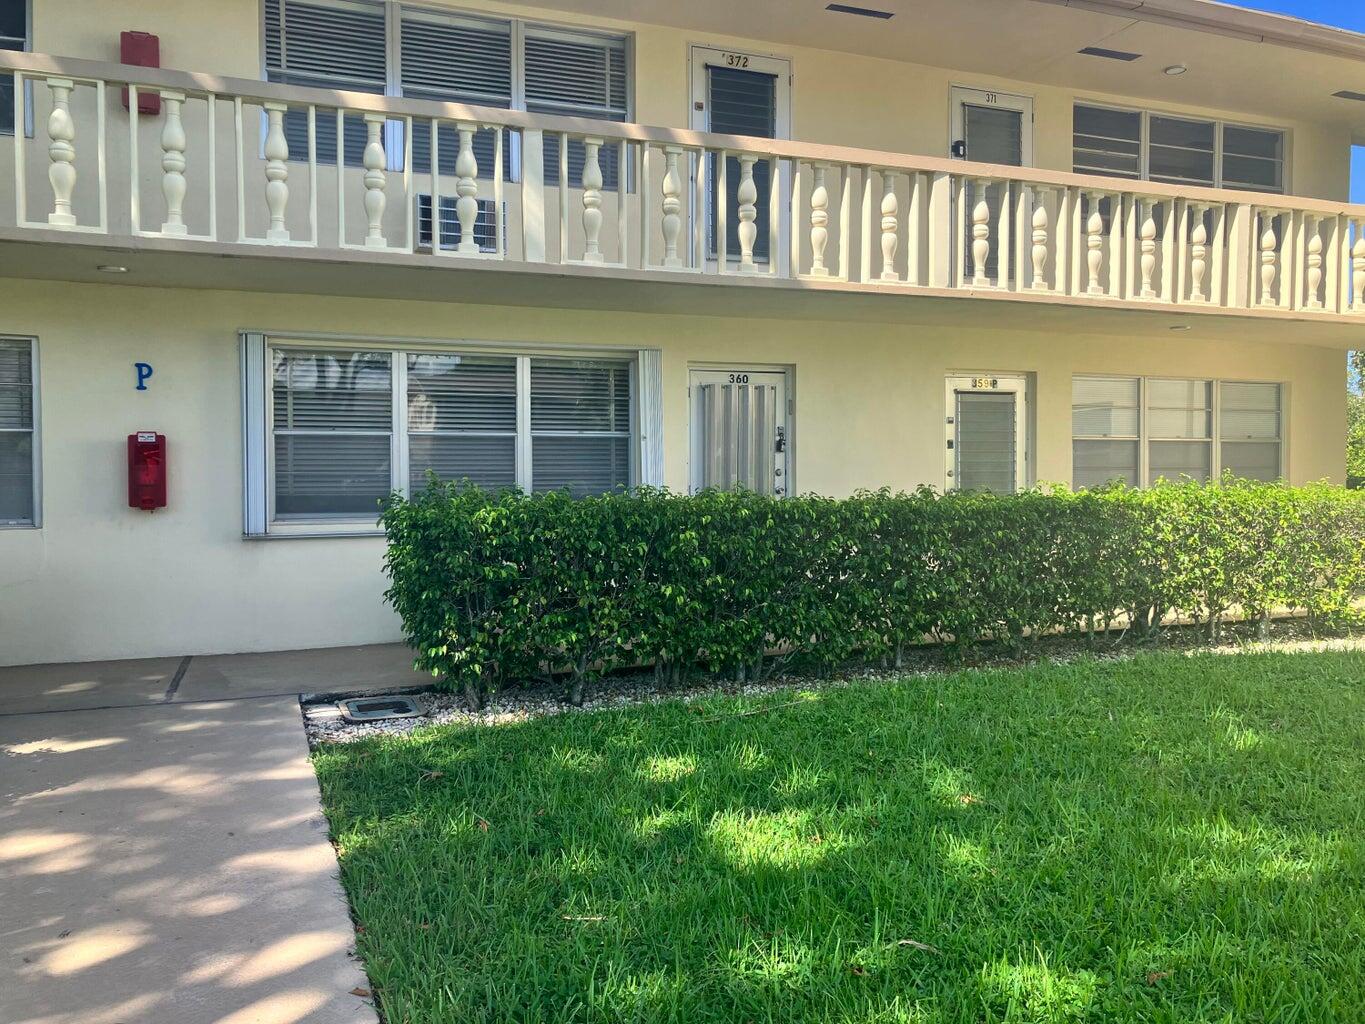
31	689
165	861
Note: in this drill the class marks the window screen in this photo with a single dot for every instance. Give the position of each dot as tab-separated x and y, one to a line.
16	432
1105	428
333	424
13	36
462	419
741	103
986	442
1253	158
1180	151
1106	141
326	44
1177	150
580	426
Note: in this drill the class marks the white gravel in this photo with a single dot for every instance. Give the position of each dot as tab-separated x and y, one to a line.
324	723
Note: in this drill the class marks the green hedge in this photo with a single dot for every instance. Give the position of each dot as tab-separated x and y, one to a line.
493	587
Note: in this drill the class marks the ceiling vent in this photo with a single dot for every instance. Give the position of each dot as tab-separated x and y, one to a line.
1347	94
862	12
1100	51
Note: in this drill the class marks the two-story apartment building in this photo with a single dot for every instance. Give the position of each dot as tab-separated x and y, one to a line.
788	244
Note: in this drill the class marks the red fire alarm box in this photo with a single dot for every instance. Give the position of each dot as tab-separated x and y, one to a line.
146	470
143	50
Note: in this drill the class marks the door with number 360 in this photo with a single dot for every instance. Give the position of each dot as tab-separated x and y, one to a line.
739	430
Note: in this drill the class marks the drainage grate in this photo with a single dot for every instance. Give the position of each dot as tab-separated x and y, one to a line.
376	709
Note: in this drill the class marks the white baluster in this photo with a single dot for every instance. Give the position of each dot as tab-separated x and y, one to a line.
61	151
1358	269
672	187
746	196
466	188
276	172
1148	247
1269	260
1199	254
1315	263
173	164
1094	257
592	201
890	227
819	219
1040	237
375	180
981	235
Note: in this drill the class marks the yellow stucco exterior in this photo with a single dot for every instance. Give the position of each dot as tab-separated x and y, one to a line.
99	580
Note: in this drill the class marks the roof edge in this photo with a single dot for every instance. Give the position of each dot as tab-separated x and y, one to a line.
1235	22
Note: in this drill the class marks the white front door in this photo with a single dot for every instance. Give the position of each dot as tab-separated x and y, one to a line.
739	430
737	93
987	420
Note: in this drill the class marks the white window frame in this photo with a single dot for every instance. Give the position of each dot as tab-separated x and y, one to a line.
36	433
393	60
28	84
1215	438
646	416
1145	139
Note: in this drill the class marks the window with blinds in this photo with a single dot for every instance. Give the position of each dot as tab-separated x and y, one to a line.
1139	144
580	426
13	36
333	430
438	55
1249	432
462	419
1105	445
1179	429
18	434
1134	430
327	44
576	75
492	420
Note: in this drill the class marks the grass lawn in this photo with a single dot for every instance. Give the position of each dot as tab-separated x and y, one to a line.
1163	839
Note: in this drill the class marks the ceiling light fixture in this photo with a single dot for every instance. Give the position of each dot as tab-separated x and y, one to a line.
862	12
1175	69
111	268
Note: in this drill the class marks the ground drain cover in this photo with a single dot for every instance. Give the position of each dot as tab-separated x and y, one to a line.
376	709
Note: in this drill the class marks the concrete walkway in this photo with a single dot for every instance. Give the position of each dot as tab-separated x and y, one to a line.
163	854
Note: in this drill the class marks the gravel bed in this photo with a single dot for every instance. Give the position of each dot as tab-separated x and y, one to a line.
324	723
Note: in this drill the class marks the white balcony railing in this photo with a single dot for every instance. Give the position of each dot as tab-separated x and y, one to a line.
636	200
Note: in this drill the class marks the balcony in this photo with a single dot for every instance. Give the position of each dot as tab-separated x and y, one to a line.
354	191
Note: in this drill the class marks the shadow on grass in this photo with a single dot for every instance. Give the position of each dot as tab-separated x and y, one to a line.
1163	839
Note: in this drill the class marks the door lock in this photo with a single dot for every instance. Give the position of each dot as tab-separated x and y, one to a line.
780	445
959	149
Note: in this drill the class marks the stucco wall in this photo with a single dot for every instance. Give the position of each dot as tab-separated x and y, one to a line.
100	580
837	98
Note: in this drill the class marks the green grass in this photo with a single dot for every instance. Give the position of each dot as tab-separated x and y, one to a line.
1164	839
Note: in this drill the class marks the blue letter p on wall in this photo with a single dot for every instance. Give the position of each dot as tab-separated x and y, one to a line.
144	373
